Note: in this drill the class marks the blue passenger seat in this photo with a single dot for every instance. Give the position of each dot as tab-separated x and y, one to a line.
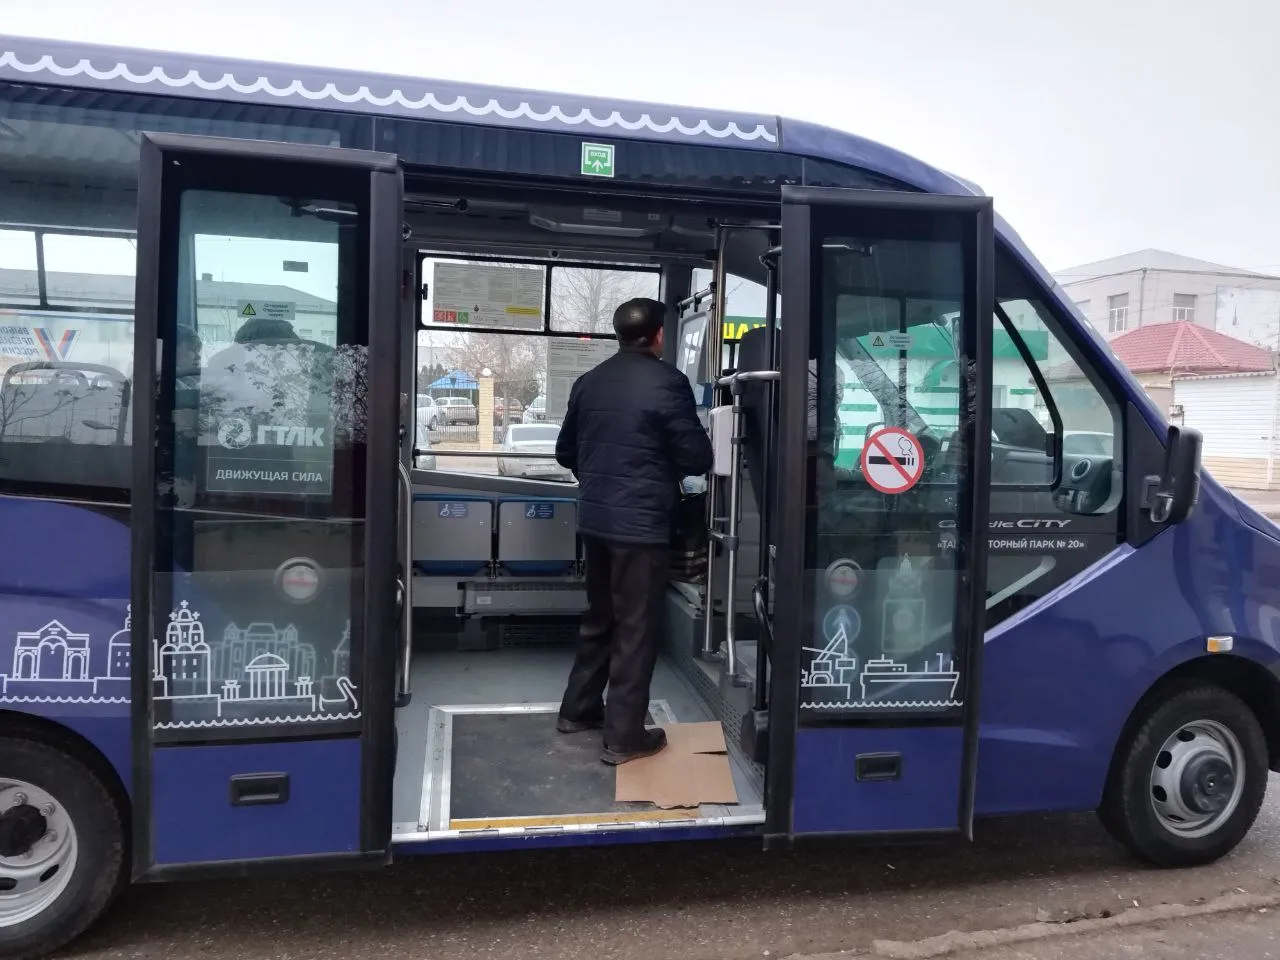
537	536
452	534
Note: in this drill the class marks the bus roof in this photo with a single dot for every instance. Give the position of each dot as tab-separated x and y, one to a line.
133	71
128	70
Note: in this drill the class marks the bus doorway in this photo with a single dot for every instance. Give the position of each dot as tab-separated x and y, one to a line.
498	580
264	598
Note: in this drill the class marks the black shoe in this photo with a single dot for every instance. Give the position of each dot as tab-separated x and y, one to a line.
565	725
650	743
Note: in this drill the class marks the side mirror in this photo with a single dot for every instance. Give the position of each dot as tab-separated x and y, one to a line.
1179	487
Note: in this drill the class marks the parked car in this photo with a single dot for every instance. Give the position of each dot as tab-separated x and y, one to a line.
429	412
457	410
536	412
422	441
532	438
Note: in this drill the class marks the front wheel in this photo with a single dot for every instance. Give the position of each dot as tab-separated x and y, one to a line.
62	849
1189	783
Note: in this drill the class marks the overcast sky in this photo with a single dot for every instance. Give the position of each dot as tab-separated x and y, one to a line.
1099	126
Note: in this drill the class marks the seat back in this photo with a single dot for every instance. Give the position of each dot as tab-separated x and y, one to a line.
537	536
452	534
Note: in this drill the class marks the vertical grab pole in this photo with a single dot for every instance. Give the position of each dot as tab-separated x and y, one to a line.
769	259
406	587
715	327
731	536
708	606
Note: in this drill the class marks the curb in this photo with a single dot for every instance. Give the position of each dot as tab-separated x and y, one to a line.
947	944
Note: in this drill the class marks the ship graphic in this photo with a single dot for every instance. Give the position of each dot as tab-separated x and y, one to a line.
884	678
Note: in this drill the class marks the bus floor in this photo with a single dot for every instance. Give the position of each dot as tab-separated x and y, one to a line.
478	750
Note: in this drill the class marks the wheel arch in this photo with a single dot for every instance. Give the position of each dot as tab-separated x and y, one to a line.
55	734
1257	686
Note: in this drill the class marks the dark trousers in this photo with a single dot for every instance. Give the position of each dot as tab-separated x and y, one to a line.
619	637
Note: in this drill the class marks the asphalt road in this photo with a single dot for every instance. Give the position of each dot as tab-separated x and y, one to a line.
686	901
1248	935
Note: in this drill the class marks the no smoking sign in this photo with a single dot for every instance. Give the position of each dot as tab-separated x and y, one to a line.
892	460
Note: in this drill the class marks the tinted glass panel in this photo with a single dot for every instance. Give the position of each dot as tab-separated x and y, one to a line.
884	590
260	466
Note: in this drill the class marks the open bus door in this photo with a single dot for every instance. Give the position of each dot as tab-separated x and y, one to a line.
264	580
881	550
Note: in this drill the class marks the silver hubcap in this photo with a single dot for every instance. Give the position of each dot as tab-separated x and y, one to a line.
1197	779
37	851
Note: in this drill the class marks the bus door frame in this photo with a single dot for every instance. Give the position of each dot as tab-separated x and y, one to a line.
158	199
801	308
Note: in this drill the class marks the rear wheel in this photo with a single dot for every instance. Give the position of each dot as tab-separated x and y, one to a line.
1188	785
62	851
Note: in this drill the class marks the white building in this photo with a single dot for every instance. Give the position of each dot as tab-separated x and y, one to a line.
1202	339
1124	293
88	317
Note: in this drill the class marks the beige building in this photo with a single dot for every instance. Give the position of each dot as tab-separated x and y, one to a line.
1126	293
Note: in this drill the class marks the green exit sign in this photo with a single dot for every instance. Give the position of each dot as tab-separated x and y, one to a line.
597	160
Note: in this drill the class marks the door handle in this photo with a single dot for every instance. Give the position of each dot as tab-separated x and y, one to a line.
259	789
877	766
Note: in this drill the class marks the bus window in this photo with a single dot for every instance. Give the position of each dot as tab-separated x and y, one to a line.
1042	532
65	425
744	310
66	356
1041	536
583	298
499	347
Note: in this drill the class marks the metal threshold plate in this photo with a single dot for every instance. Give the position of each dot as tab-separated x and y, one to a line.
502	766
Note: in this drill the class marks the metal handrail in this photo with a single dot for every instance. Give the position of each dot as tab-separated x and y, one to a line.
486	454
729	537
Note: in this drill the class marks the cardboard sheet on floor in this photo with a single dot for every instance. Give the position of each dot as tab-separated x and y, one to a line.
692	770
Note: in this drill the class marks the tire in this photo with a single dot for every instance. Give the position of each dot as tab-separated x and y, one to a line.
98	872
1210	732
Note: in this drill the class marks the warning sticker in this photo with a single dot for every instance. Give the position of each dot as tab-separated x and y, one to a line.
895	340
892	460
270	309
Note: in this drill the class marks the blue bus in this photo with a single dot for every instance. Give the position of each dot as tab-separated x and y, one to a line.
242	628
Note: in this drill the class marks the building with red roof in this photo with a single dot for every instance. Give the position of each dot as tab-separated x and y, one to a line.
1202	339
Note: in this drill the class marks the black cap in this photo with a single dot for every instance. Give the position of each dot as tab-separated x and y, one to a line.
638	321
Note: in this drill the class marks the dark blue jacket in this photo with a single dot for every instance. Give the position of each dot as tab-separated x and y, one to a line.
630	434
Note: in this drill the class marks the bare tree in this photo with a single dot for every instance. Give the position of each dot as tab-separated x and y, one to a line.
517	362
583	298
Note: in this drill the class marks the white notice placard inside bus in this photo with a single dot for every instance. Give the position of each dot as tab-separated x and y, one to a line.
567	360
502	295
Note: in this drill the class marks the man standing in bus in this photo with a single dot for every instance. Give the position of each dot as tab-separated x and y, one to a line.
630	434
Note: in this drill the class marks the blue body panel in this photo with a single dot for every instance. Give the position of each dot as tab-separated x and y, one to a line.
830	799
64	588
1060	677
194	821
